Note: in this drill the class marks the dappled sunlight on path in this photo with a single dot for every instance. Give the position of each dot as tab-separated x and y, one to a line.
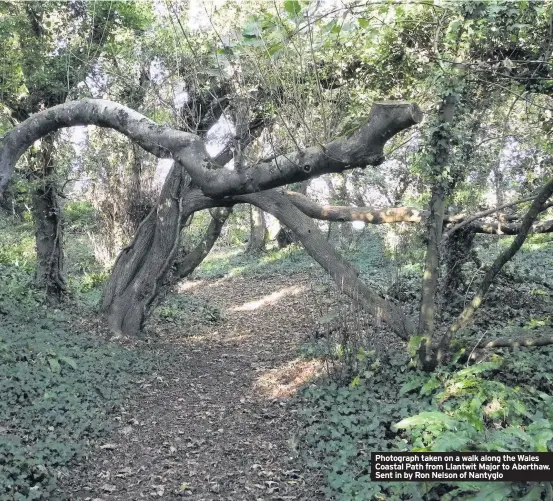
269	299
217	421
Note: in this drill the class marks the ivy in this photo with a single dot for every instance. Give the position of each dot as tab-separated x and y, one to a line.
57	390
457	408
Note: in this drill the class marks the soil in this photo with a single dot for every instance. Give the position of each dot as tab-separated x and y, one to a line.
219	421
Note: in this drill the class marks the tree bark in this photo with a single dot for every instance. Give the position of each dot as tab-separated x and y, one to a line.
48	225
364	147
142	267
258	232
441	145
431	264
457	251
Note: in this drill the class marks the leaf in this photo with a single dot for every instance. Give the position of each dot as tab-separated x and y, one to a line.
430	386
363	23
493	492
108	446
54	365
251	29
69	361
411	385
414	344
534	494
424	419
477	369
540	434
292	7
451	441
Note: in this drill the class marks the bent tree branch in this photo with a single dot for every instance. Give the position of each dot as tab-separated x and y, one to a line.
364	147
342	272
367	215
194	258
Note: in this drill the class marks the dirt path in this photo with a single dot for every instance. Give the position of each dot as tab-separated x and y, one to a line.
219	424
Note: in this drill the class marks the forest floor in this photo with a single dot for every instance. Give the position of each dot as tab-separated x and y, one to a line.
217	422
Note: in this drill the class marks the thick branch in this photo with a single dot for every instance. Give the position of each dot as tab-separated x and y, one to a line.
467	220
511	228
145	132
412	215
194	258
364	147
521	342
344	213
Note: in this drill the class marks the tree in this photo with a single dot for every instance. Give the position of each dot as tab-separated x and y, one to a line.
40	70
300	62
194	183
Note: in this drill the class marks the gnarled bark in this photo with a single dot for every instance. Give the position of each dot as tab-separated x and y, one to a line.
48	225
142	267
364	147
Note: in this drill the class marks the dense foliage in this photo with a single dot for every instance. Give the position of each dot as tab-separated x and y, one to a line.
255	81
504	404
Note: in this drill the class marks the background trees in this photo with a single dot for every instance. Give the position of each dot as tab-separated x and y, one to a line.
285	88
297	125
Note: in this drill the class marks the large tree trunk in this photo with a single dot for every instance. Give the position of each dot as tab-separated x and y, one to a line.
142	267
458	251
258	231
427	312
48	225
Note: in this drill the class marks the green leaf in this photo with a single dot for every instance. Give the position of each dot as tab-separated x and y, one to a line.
292	7
414	344
534	494
451	441
411	385
425	419
251	29
540	434
430	386
493	492
54	365
363	23
69	361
